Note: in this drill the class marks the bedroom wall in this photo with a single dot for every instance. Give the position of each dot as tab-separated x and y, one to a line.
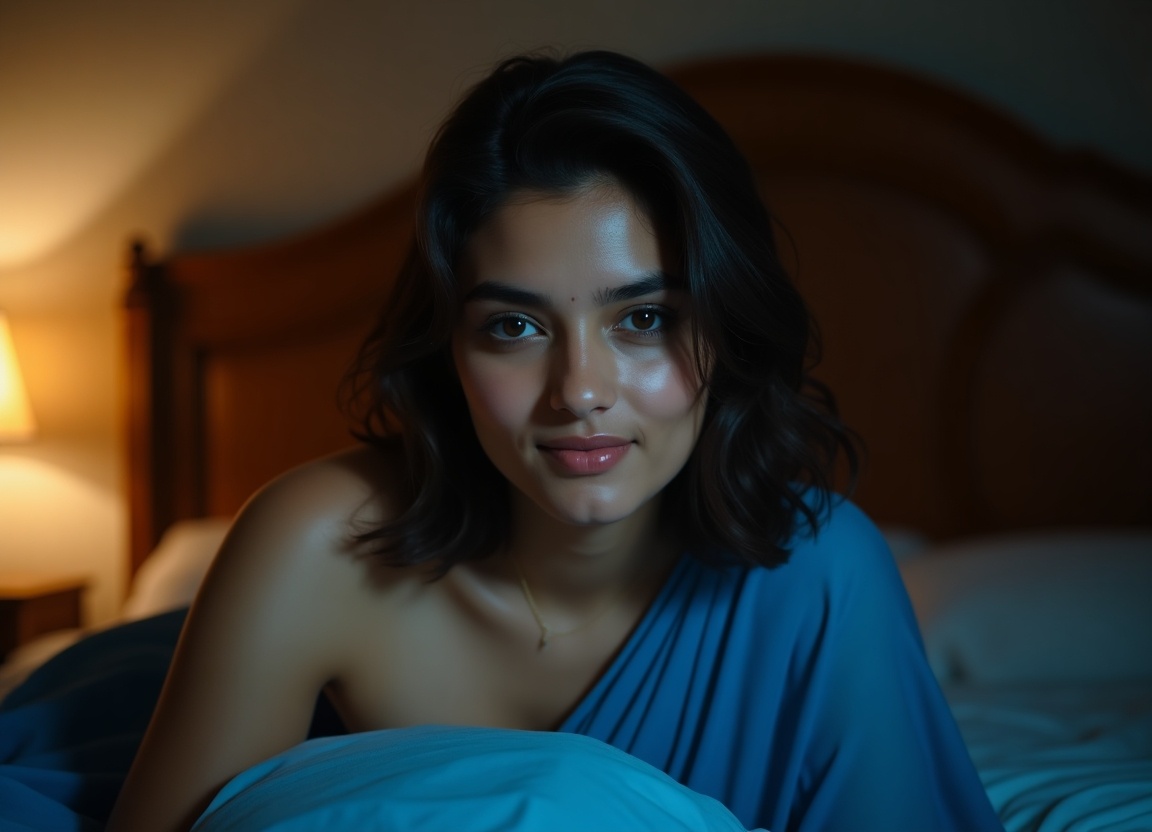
211	123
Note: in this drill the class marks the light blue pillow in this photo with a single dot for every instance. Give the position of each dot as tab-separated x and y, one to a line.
459	779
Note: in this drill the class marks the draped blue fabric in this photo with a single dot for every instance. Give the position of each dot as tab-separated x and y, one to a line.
798	696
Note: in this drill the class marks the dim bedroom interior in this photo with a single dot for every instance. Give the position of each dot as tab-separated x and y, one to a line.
985	301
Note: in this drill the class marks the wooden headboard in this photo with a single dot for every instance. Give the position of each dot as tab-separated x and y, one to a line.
985	300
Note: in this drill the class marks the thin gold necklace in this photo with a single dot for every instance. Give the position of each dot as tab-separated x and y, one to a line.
546	631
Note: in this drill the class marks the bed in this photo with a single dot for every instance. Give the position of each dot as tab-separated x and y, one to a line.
986	306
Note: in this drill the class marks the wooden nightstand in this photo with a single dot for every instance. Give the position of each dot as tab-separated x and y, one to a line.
32	604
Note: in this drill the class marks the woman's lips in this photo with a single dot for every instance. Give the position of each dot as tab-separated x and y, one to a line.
586	455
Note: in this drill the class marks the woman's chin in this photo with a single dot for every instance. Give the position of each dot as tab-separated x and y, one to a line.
591	510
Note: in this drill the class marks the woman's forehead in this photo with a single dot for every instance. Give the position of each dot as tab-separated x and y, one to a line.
590	241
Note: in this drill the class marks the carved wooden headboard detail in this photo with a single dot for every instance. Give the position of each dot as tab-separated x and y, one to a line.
985	300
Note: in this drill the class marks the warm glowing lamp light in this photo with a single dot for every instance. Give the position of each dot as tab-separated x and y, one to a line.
16	422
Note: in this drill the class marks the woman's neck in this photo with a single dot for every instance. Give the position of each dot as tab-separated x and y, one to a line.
572	566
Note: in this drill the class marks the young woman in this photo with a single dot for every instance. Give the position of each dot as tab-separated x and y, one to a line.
607	507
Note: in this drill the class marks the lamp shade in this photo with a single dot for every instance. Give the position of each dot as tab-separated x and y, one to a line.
16	422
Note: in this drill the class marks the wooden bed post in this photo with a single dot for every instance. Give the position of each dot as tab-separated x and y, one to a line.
149	315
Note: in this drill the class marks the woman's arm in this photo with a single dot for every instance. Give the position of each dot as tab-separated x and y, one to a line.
262	639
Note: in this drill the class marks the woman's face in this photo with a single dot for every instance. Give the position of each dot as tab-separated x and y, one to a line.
575	355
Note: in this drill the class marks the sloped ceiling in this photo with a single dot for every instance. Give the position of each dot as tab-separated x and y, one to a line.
91	92
277	112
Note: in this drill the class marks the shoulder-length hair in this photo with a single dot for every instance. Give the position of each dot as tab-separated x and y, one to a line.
764	461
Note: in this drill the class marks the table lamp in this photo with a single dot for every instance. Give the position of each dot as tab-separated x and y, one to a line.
16	422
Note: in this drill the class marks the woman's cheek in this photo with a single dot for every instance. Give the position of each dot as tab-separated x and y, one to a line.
497	395
661	389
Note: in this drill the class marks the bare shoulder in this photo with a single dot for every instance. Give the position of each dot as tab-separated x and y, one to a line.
321	497
307	519
357	473
291	570
267	631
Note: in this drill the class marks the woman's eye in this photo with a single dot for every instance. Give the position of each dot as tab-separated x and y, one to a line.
512	328
646	321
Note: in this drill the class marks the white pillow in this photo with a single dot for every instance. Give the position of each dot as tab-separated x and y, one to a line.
170	576
1043	607
167	580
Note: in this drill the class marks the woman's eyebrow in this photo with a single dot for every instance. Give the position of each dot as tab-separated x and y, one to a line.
506	293
647	285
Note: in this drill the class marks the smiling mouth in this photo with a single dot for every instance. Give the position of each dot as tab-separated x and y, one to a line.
585	455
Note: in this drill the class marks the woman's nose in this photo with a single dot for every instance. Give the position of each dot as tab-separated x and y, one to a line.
584	376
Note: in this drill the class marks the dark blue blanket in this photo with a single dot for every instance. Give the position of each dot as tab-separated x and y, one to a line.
69	733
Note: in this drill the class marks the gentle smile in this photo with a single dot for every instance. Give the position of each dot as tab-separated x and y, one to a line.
585	455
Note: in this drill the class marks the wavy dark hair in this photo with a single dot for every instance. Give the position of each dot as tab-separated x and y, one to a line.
764	461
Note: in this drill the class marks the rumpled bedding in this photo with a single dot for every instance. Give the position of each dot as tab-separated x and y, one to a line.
1052	757
69	733
1067	756
459	778
1062	757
